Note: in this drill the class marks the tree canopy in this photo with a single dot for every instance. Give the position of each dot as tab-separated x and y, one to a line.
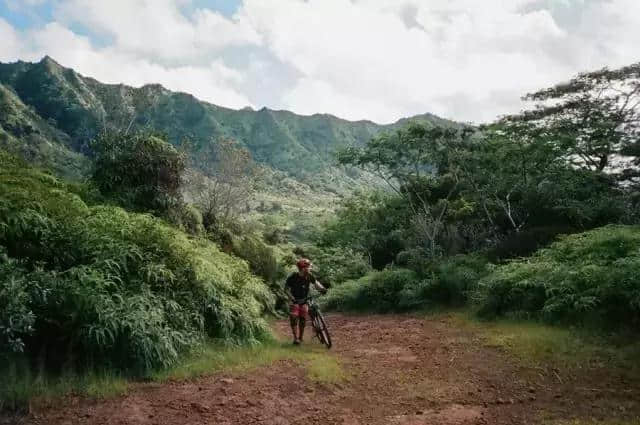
140	170
594	118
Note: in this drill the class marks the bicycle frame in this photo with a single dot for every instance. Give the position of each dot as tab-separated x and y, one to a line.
317	321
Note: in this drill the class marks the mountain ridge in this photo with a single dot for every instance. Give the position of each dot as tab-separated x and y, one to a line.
76	108
52	62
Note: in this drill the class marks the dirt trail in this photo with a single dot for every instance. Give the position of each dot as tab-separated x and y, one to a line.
404	370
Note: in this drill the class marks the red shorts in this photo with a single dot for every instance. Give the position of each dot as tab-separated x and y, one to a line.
299	310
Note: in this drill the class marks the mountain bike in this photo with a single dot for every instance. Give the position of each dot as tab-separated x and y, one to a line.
317	322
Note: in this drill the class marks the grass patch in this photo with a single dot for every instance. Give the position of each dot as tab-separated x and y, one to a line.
535	344
20	388
216	357
324	368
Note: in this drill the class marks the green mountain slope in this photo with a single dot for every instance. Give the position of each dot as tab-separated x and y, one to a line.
69	110
24	132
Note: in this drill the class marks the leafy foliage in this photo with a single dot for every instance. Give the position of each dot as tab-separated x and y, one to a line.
261	257
335	265
189	218
452	281
590	277
15	319
87	284
141	170
448	282
591	119
415	163
370	224
457	193
502	191
227	184
379	291
518	183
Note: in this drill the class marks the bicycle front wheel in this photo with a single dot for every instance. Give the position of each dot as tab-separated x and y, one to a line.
322	331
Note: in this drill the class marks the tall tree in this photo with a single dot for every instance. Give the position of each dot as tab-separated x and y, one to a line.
415	162
223	189
594	118
503	168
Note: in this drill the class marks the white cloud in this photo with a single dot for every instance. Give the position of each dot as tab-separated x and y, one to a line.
358	59
613	29
405	57
327	99
158	29
10	45
59	42
213	82
214	31
366	51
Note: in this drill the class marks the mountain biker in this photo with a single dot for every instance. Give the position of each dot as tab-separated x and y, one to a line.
297	285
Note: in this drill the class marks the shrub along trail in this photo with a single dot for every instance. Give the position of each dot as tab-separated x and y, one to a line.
403	370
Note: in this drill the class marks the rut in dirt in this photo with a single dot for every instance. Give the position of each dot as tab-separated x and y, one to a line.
404	370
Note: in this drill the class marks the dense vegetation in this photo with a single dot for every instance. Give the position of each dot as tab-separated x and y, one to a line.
94	284
466	203
141	171
588	277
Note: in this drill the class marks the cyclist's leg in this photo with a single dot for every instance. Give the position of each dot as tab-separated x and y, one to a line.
302	318
294	319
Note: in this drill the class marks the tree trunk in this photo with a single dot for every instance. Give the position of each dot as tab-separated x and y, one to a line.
604	161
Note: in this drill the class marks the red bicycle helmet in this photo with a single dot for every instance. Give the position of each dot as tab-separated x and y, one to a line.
303	263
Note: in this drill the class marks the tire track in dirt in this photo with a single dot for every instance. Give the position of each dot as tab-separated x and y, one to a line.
404	370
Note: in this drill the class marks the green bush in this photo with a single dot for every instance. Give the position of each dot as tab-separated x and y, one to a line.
453	280
274	236
346	297
16	319
261	257
445	282
140	171
586	278
189	218
379	291
526	242
373	223
335	265
87	285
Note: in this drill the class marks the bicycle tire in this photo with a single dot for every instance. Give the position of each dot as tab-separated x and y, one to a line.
317	328
323	333
315	324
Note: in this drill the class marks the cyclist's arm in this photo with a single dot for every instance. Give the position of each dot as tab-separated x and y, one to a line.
287	291
319	286
290	296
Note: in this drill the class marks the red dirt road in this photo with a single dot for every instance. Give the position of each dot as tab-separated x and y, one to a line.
404	370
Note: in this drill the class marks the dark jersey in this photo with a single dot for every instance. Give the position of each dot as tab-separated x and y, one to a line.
299	285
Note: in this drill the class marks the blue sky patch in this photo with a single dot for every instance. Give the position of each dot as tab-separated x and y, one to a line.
225	7
23	16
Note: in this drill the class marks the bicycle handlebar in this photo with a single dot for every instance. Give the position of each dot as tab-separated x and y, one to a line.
304	300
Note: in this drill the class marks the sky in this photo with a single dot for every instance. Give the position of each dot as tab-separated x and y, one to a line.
467	60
